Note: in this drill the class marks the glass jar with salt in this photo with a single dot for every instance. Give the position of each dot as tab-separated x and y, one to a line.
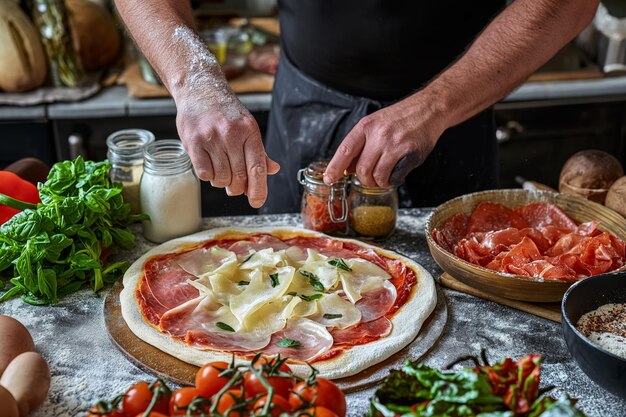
170	192
126	155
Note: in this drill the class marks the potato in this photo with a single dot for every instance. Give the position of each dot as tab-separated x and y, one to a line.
589	174
616	197
8	406
14	340
27	378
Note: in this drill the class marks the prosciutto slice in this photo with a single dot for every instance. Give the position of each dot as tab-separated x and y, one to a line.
313	337
256	243
362	332
375	304
165	288
195	322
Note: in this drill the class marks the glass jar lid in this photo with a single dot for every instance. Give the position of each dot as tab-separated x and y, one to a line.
363	189
314	174
126	146
166	157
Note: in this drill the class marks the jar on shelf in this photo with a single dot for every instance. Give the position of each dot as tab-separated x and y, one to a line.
170	192
126	155
373	211
324	207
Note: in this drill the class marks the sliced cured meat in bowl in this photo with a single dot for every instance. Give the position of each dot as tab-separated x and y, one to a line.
525	245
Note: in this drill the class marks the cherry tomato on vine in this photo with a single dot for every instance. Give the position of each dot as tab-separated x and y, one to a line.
319	412
229	399
138	398
208	381
181	399
324	394
278	406
282	385
97	411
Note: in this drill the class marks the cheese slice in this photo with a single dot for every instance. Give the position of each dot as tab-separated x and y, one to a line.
364	277
265	258
213	260
260	291
334	311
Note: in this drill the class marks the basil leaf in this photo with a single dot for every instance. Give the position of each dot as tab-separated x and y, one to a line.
292	293
340	263
248	257
224	326
288	343
274	279
242	282
310	297
313	280
330	316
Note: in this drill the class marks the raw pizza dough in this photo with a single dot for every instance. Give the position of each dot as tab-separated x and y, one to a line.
406	322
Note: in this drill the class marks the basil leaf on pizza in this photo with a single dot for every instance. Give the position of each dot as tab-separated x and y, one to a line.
339	304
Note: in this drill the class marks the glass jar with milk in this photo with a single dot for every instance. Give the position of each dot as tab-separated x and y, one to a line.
170	192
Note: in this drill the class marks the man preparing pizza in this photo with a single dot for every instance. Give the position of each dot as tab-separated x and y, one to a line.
375	84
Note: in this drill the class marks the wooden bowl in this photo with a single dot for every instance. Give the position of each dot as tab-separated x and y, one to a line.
516	287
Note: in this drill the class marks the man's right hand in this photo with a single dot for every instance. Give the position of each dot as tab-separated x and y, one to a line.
224	143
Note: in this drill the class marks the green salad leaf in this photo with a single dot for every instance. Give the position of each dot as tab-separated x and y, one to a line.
62	245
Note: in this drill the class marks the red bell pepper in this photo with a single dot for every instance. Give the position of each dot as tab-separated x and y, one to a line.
16	195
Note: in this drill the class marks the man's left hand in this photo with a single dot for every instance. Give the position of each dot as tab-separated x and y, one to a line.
386	145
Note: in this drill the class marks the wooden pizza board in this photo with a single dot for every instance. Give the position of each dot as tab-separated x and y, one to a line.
153	360
550	311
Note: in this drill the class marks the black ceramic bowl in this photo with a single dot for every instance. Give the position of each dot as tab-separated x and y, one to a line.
606	369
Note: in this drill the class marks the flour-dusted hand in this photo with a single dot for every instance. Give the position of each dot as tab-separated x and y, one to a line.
220	135
386	145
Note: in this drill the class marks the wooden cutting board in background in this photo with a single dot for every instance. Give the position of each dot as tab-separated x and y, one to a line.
550	311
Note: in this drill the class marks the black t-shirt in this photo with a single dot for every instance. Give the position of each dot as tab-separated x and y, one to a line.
380	49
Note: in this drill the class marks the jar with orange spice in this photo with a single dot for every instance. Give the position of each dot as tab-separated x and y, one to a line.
324	207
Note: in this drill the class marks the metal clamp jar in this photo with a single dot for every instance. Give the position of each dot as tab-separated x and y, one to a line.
126	155
324	207
373	211
170	192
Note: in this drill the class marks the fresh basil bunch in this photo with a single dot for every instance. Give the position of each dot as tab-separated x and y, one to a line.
61	244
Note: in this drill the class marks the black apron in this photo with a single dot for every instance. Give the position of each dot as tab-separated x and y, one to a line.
308	121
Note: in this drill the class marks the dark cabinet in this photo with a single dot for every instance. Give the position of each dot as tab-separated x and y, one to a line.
536	140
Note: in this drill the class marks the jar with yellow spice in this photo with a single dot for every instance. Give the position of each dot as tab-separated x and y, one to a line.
372	211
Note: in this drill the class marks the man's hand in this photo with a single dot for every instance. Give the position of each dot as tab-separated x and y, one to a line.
386	145
225	147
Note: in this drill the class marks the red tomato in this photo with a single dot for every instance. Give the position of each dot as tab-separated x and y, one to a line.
152	414
324	394
282	385
138	397
279	405
96	411
319	412
229	399
181	399
208	383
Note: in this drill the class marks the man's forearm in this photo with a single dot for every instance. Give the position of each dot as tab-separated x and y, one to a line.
164	31
517	42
